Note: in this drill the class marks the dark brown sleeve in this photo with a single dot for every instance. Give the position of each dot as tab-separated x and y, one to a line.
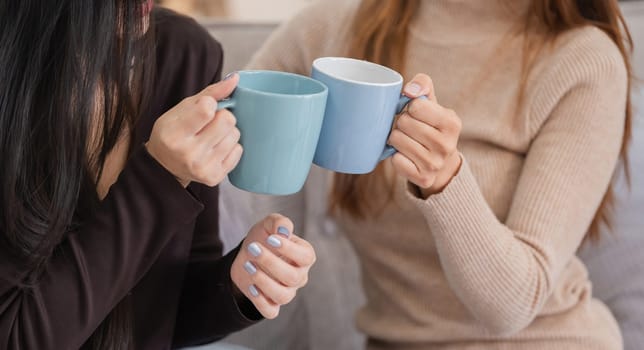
208	311
95	267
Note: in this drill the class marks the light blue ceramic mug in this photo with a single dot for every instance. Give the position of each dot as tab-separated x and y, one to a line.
279	116
364	98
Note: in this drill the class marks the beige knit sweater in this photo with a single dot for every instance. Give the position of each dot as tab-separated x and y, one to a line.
489	262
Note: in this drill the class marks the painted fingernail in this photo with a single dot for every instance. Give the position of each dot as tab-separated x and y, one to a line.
253	290
254	249
413	89
229	75
283	231
250	268
274	241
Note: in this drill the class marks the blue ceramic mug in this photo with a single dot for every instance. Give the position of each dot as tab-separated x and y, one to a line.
364	98
279	116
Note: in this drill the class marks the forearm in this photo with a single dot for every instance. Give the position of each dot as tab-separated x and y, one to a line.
498	275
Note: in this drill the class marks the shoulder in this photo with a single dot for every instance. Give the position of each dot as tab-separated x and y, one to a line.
187	59
591	48
179	32
319	29
585	54
185	49
584	62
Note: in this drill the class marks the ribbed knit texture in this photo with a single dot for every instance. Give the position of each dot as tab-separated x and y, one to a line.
489	262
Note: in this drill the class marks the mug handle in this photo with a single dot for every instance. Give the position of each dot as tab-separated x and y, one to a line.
226	103
402	103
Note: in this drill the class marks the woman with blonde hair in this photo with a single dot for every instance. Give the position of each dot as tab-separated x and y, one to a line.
467	237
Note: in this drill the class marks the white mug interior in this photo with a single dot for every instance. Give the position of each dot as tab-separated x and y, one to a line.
357	71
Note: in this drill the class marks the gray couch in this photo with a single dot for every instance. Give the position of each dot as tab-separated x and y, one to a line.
322	316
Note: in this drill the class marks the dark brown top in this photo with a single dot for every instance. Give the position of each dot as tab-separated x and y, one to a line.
151	240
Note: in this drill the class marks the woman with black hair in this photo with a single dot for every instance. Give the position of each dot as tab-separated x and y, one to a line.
108	221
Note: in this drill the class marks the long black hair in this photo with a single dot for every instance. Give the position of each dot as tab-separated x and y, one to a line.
72	79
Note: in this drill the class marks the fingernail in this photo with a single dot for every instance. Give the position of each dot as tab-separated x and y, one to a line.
283	231
253	290
254	249
274	241
229	75
413	89
250	268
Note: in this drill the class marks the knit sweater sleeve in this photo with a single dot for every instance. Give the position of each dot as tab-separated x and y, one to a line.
504	272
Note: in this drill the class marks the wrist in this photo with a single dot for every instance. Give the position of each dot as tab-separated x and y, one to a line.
443	179
152	152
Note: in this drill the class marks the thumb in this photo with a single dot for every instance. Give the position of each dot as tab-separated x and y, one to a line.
222	89
421	85
278	224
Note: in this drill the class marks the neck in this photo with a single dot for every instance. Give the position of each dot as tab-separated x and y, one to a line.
469	21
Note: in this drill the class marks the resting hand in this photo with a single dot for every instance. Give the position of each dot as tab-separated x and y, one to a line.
194	141
272	264
426	135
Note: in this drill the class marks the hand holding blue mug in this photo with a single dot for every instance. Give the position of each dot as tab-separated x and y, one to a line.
426	136
363	100
194	141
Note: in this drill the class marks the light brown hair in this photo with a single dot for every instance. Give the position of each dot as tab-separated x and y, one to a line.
380	34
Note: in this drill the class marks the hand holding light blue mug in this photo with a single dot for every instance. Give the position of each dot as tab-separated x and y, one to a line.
363	100
279	116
